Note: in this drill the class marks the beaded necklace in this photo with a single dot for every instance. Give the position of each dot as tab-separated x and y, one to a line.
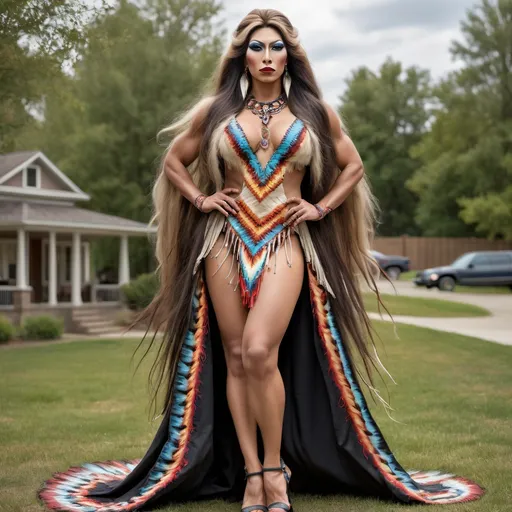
265	110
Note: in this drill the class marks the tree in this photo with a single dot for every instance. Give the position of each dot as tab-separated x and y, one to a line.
465	182
36	37
386	113
142	64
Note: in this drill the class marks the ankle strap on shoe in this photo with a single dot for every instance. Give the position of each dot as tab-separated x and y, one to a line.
279	504
254	473
280	468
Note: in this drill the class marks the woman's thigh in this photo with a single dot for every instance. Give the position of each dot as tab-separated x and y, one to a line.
227	303
269	317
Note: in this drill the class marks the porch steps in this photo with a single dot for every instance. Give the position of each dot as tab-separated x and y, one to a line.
96	321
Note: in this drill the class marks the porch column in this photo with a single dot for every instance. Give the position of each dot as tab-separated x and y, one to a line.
76	267
52	269
21	261
124	265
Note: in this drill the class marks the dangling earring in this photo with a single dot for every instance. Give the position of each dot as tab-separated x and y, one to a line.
244	83
287	81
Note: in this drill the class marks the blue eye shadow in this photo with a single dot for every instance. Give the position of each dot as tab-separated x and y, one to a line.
255	46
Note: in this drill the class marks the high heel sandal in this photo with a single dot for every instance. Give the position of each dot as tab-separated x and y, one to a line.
280	504
251	508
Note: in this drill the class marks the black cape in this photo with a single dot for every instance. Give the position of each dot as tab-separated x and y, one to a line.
330	440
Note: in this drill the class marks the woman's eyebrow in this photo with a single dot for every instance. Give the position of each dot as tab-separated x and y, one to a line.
256	41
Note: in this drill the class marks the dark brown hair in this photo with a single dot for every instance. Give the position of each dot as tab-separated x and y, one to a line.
342	239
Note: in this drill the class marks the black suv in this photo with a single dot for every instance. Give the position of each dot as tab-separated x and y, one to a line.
481	268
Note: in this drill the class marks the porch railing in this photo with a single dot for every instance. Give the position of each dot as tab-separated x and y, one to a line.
6	298
98	293
106	292
90	293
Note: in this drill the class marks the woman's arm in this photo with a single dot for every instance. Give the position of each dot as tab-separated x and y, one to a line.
348	160
183	151
352	170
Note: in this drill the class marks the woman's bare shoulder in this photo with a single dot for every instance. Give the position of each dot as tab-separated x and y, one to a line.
335	122
199	113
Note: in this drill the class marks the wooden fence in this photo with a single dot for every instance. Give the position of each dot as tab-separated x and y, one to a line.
432	252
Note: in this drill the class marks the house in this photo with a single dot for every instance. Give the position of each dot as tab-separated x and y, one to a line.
45	245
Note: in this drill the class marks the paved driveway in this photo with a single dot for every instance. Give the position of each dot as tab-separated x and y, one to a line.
497	328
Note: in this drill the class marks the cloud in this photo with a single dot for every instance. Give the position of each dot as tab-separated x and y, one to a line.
391	14
342	35
341	49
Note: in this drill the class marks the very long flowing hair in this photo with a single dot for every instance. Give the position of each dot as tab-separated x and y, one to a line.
342	239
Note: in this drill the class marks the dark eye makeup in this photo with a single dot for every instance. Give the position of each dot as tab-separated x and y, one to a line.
258	45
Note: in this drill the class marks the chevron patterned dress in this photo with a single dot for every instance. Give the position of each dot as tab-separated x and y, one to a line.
258	231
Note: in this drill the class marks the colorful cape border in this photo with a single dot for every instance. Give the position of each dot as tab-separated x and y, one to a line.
91	487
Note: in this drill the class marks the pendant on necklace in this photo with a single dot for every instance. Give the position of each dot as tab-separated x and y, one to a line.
265	131
265	111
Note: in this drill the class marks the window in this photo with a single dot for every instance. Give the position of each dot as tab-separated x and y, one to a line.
463	261
46	259
499	259
8	260
32	176
481	260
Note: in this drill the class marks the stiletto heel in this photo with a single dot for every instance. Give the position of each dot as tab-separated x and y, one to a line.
253	508
280	504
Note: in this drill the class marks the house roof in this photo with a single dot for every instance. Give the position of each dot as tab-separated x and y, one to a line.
43	217
13	163
10	161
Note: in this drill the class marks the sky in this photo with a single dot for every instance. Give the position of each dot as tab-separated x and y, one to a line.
342	35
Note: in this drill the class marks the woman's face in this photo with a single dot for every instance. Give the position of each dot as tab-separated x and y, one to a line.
266	50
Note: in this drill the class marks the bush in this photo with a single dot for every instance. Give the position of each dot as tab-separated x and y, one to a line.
124	318
42	327
6	329
137	294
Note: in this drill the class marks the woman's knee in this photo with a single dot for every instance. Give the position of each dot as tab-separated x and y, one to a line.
233	354
258	358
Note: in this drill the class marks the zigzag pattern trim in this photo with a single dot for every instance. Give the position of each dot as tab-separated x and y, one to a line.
256	234
67	491
262	181
455	488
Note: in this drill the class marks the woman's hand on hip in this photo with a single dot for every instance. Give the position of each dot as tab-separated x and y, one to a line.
303	210
222	202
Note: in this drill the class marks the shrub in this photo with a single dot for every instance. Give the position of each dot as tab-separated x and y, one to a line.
19	332
137	294
124	318
43	327
6	329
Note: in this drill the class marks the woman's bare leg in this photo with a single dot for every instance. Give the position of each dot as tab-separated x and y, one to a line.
264	329
231	316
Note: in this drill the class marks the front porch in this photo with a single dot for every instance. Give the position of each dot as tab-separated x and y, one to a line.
45	245
51	272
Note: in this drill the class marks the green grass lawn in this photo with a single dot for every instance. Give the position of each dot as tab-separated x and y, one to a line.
419	306
409	276
66	404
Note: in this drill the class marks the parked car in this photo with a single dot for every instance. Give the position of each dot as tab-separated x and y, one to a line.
479	268
393	266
